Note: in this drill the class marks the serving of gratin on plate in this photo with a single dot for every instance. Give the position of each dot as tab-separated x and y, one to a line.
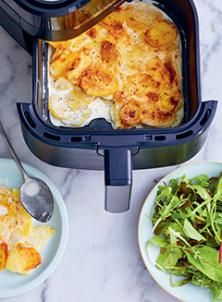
126	69
21	242
29	250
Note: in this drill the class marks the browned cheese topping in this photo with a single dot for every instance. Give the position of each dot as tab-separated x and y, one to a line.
133	59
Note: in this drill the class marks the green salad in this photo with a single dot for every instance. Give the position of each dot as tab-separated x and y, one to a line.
187	226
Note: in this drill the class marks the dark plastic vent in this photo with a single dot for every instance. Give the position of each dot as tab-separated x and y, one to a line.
160	138
76	139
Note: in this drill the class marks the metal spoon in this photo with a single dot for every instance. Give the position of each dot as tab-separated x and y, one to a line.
35	194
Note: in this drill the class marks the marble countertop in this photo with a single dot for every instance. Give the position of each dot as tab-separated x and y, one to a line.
102	261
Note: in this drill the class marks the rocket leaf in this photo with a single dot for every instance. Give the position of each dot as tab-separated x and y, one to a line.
168	257
202	192
205	259
157	241
191	232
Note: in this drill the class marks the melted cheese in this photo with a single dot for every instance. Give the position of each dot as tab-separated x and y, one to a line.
126	69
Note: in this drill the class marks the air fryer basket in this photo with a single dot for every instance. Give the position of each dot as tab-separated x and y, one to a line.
98	146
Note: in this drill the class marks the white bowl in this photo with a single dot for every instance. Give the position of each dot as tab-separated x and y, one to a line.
188	292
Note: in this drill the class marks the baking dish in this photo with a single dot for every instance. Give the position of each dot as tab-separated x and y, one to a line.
98	146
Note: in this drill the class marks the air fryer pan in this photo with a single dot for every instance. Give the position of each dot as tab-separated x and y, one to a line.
189	108
118	151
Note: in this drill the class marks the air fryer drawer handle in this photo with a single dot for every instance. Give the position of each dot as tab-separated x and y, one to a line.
118	179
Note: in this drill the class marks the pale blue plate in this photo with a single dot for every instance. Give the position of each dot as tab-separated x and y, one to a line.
186	293
12	284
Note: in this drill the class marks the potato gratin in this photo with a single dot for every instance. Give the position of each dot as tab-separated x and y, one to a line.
20	241
126	69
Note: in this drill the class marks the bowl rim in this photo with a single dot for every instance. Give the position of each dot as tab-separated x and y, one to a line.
57	257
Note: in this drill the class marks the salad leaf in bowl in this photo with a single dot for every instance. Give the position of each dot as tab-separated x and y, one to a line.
180	233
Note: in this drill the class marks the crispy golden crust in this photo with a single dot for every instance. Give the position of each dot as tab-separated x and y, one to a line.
163	72
22	259
63	62
3	254
132	57
96	81
108	52
116	29
162	35
139	85
130	114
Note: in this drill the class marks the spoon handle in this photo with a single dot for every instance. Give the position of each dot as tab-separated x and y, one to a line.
18	162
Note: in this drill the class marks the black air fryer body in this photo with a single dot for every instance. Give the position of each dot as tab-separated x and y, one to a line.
98	146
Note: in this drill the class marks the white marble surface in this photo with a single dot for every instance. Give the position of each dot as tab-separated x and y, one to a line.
102	262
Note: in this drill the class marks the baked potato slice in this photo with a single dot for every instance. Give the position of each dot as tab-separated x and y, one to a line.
98	82
22	259
161	35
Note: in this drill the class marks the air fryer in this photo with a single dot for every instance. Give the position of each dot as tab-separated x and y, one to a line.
98	146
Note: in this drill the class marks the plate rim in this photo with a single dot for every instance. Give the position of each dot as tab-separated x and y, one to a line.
168	175
9	293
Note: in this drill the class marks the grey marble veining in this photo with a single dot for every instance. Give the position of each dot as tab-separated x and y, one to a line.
102	262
